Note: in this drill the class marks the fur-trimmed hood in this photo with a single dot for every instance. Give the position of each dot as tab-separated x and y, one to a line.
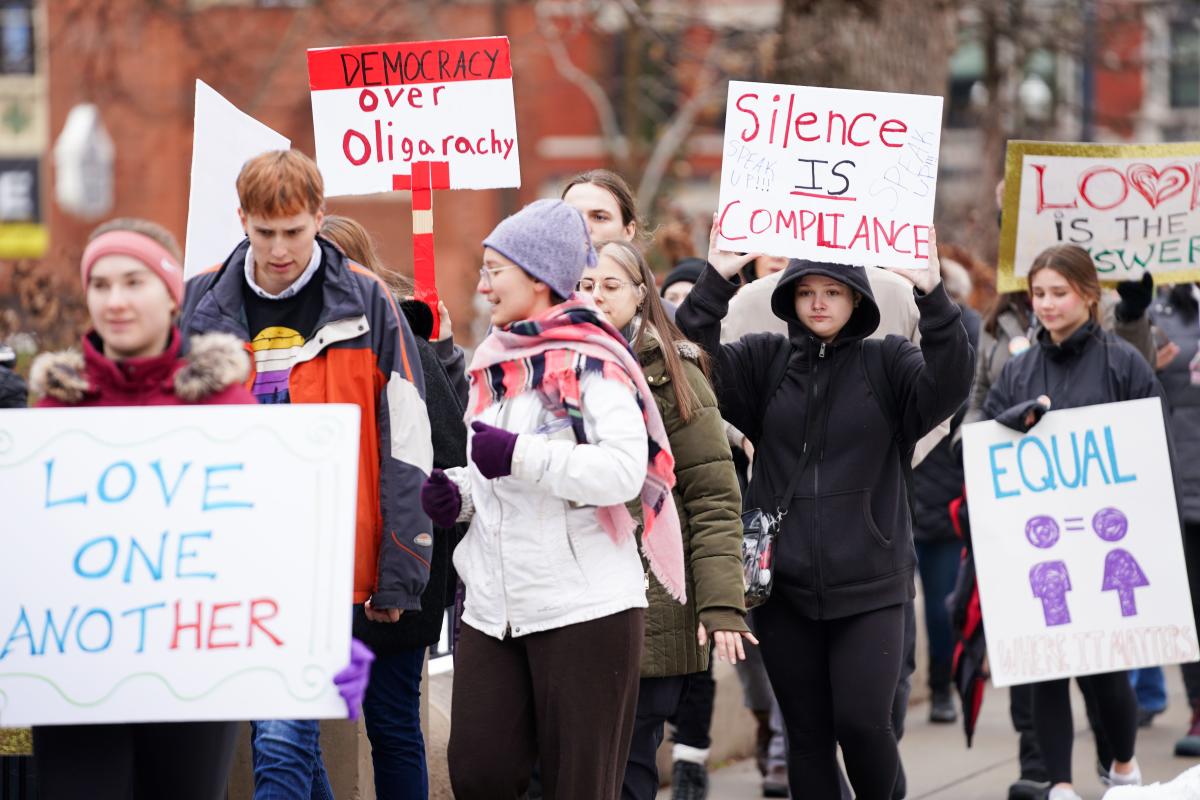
215	362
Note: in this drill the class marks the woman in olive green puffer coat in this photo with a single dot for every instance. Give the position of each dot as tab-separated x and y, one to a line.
679	637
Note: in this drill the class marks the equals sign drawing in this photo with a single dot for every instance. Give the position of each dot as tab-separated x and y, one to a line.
1074	524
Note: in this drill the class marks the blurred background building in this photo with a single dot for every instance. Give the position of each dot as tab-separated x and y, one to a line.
96	105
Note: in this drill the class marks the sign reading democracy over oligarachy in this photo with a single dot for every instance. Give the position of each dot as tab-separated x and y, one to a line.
829	174
1135	208
377	109
1077	544
175	563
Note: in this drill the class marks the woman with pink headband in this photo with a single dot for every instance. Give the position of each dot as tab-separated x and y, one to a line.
133	282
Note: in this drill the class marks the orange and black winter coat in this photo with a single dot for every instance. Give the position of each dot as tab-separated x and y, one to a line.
361	352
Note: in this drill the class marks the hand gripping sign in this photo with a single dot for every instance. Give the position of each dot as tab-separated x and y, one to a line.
175	563
415	116
1134	207
829	174
1077	544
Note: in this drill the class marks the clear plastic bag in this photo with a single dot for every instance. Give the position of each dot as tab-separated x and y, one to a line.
758	555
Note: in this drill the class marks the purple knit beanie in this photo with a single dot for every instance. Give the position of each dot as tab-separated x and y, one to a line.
549	240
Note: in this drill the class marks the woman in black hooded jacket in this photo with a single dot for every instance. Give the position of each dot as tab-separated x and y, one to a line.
1073	363
833	418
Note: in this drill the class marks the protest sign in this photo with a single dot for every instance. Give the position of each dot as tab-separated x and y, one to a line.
175	563
1135	208
223	140
1077	544
829	174
379	108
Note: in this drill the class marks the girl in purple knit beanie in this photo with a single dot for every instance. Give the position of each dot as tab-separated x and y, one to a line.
564	433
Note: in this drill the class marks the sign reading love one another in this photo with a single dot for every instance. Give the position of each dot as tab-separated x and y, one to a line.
1134	208
175	563
1077	544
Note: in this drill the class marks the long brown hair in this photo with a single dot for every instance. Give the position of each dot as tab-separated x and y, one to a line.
654	318
615	185
349	236
1074	264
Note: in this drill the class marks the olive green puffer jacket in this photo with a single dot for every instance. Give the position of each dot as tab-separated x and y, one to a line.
709	502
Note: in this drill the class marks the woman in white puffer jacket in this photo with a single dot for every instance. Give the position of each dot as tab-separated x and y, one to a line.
565	432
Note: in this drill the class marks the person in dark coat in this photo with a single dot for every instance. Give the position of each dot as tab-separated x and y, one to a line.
1073	363
832	630
13	391
393	718
1176	314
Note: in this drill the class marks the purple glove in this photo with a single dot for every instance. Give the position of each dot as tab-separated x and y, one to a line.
440	499
492	450
352	681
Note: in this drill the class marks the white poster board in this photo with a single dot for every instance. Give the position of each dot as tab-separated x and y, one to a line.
378	109
1077	544
223	140
1134	207
829	174
175	563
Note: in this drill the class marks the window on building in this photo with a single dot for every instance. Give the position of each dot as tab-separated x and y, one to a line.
1185	65
16	37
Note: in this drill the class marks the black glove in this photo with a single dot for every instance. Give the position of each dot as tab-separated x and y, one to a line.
1136	297
1019	418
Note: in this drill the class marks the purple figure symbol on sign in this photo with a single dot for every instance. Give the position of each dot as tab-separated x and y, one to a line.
1041	531
1050	582
1123	574
1110	524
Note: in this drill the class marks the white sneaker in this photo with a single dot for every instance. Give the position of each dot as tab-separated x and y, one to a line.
1129	779
1185	787
1063	793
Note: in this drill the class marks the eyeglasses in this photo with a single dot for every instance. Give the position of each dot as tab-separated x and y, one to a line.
486	274
606	286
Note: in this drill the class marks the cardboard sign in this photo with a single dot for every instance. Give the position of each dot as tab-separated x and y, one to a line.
223	140
377	109
1077	544
1135	208
175	563
829	174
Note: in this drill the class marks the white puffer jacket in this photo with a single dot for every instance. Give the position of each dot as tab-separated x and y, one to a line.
536	557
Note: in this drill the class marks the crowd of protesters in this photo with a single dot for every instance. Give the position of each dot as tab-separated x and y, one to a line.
585	473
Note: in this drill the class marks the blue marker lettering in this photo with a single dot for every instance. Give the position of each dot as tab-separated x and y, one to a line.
1047	479
1062	479
81	499
997	470
21	630
107	568
95	612
102	486
168	496
179	573
156	571
1112	458
141	612
1091	452
60	637
210	486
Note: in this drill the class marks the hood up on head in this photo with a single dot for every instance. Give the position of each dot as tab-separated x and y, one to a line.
863	320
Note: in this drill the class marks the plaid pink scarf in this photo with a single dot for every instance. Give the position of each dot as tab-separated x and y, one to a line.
550	354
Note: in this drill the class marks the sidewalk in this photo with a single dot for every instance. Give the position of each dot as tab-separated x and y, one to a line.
940	767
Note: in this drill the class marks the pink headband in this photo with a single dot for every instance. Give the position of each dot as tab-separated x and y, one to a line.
144	249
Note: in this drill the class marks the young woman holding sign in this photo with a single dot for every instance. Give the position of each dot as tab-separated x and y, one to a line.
833	418
133	283
1073	363
565	432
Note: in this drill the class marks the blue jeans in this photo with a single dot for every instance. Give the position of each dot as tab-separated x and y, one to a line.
392	712
287	761
938	564
1150	685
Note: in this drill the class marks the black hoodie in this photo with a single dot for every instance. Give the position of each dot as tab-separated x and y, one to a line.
846	542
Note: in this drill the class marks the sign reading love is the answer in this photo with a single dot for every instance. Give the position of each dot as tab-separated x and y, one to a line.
1134	208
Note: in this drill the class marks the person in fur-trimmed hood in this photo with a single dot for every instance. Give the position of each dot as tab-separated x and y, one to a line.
707	497
133	283
834	417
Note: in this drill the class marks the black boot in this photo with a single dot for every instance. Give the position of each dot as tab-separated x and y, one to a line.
941	706
689	781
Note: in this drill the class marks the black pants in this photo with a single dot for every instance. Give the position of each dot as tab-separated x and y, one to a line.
835	681
658	699
693	719
1191	557
1116	707
566	696
180	760
1020	708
